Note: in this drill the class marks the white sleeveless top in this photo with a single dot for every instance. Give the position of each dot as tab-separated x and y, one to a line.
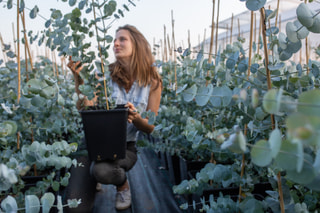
138	95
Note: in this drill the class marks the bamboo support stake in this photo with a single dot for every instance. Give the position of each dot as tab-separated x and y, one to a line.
165	44
306	48
211	40
231	28
2	45
174	53
259	36
255	28
22	15
243	163
18	53
250	44
189	40
217	28
238	27
262	11
307	54
101	61
14	39
19	67
276	21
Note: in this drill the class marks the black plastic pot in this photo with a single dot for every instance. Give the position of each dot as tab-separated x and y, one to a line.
105	133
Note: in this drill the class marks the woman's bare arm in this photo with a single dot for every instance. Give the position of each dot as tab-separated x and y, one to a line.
153	105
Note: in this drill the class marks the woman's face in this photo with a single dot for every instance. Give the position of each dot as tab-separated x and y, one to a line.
123	46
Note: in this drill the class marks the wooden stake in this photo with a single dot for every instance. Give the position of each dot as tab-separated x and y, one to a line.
22	15
211	40
259	35
2	45
18	53
255	28
231	28
250	44
238	27
14	39
278	4
189	40
217	28
243	163
174	53
262	11
165	44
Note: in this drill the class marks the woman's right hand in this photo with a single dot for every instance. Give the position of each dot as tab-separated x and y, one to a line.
75	67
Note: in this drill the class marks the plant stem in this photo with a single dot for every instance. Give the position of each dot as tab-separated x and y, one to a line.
250	44
217	27
211	40
262	11
102	63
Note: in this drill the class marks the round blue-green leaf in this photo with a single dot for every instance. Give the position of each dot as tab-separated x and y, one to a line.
302	31
35	86
307	173
285	55
282	40
12	127
230	63
49	92
314	184
309	103
304	15
287	157
315	28
315	70
236	143
9	4
261	153
294	47
243	65
82	3
291	31
190	93
180	89
38	101
203	95
47	201
275	142
270	103
9	204
48	23
72	2
254	5
254	68
277	66
33	13
221	96
32	204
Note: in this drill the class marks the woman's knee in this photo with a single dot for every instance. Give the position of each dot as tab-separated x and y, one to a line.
107	173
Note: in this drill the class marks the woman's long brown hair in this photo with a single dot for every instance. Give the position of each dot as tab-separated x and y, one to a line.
142	65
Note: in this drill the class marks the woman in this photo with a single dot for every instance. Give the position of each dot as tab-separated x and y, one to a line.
136	83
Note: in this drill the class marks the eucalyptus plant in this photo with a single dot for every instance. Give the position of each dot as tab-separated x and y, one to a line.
41	131
227	106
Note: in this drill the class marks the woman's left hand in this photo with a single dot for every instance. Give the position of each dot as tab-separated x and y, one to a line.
133	112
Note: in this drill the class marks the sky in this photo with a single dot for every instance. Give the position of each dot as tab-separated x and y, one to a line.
149	16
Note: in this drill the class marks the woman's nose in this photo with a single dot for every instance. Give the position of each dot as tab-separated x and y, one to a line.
116	43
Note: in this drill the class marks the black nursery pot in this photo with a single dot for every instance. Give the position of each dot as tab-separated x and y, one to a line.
105	132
